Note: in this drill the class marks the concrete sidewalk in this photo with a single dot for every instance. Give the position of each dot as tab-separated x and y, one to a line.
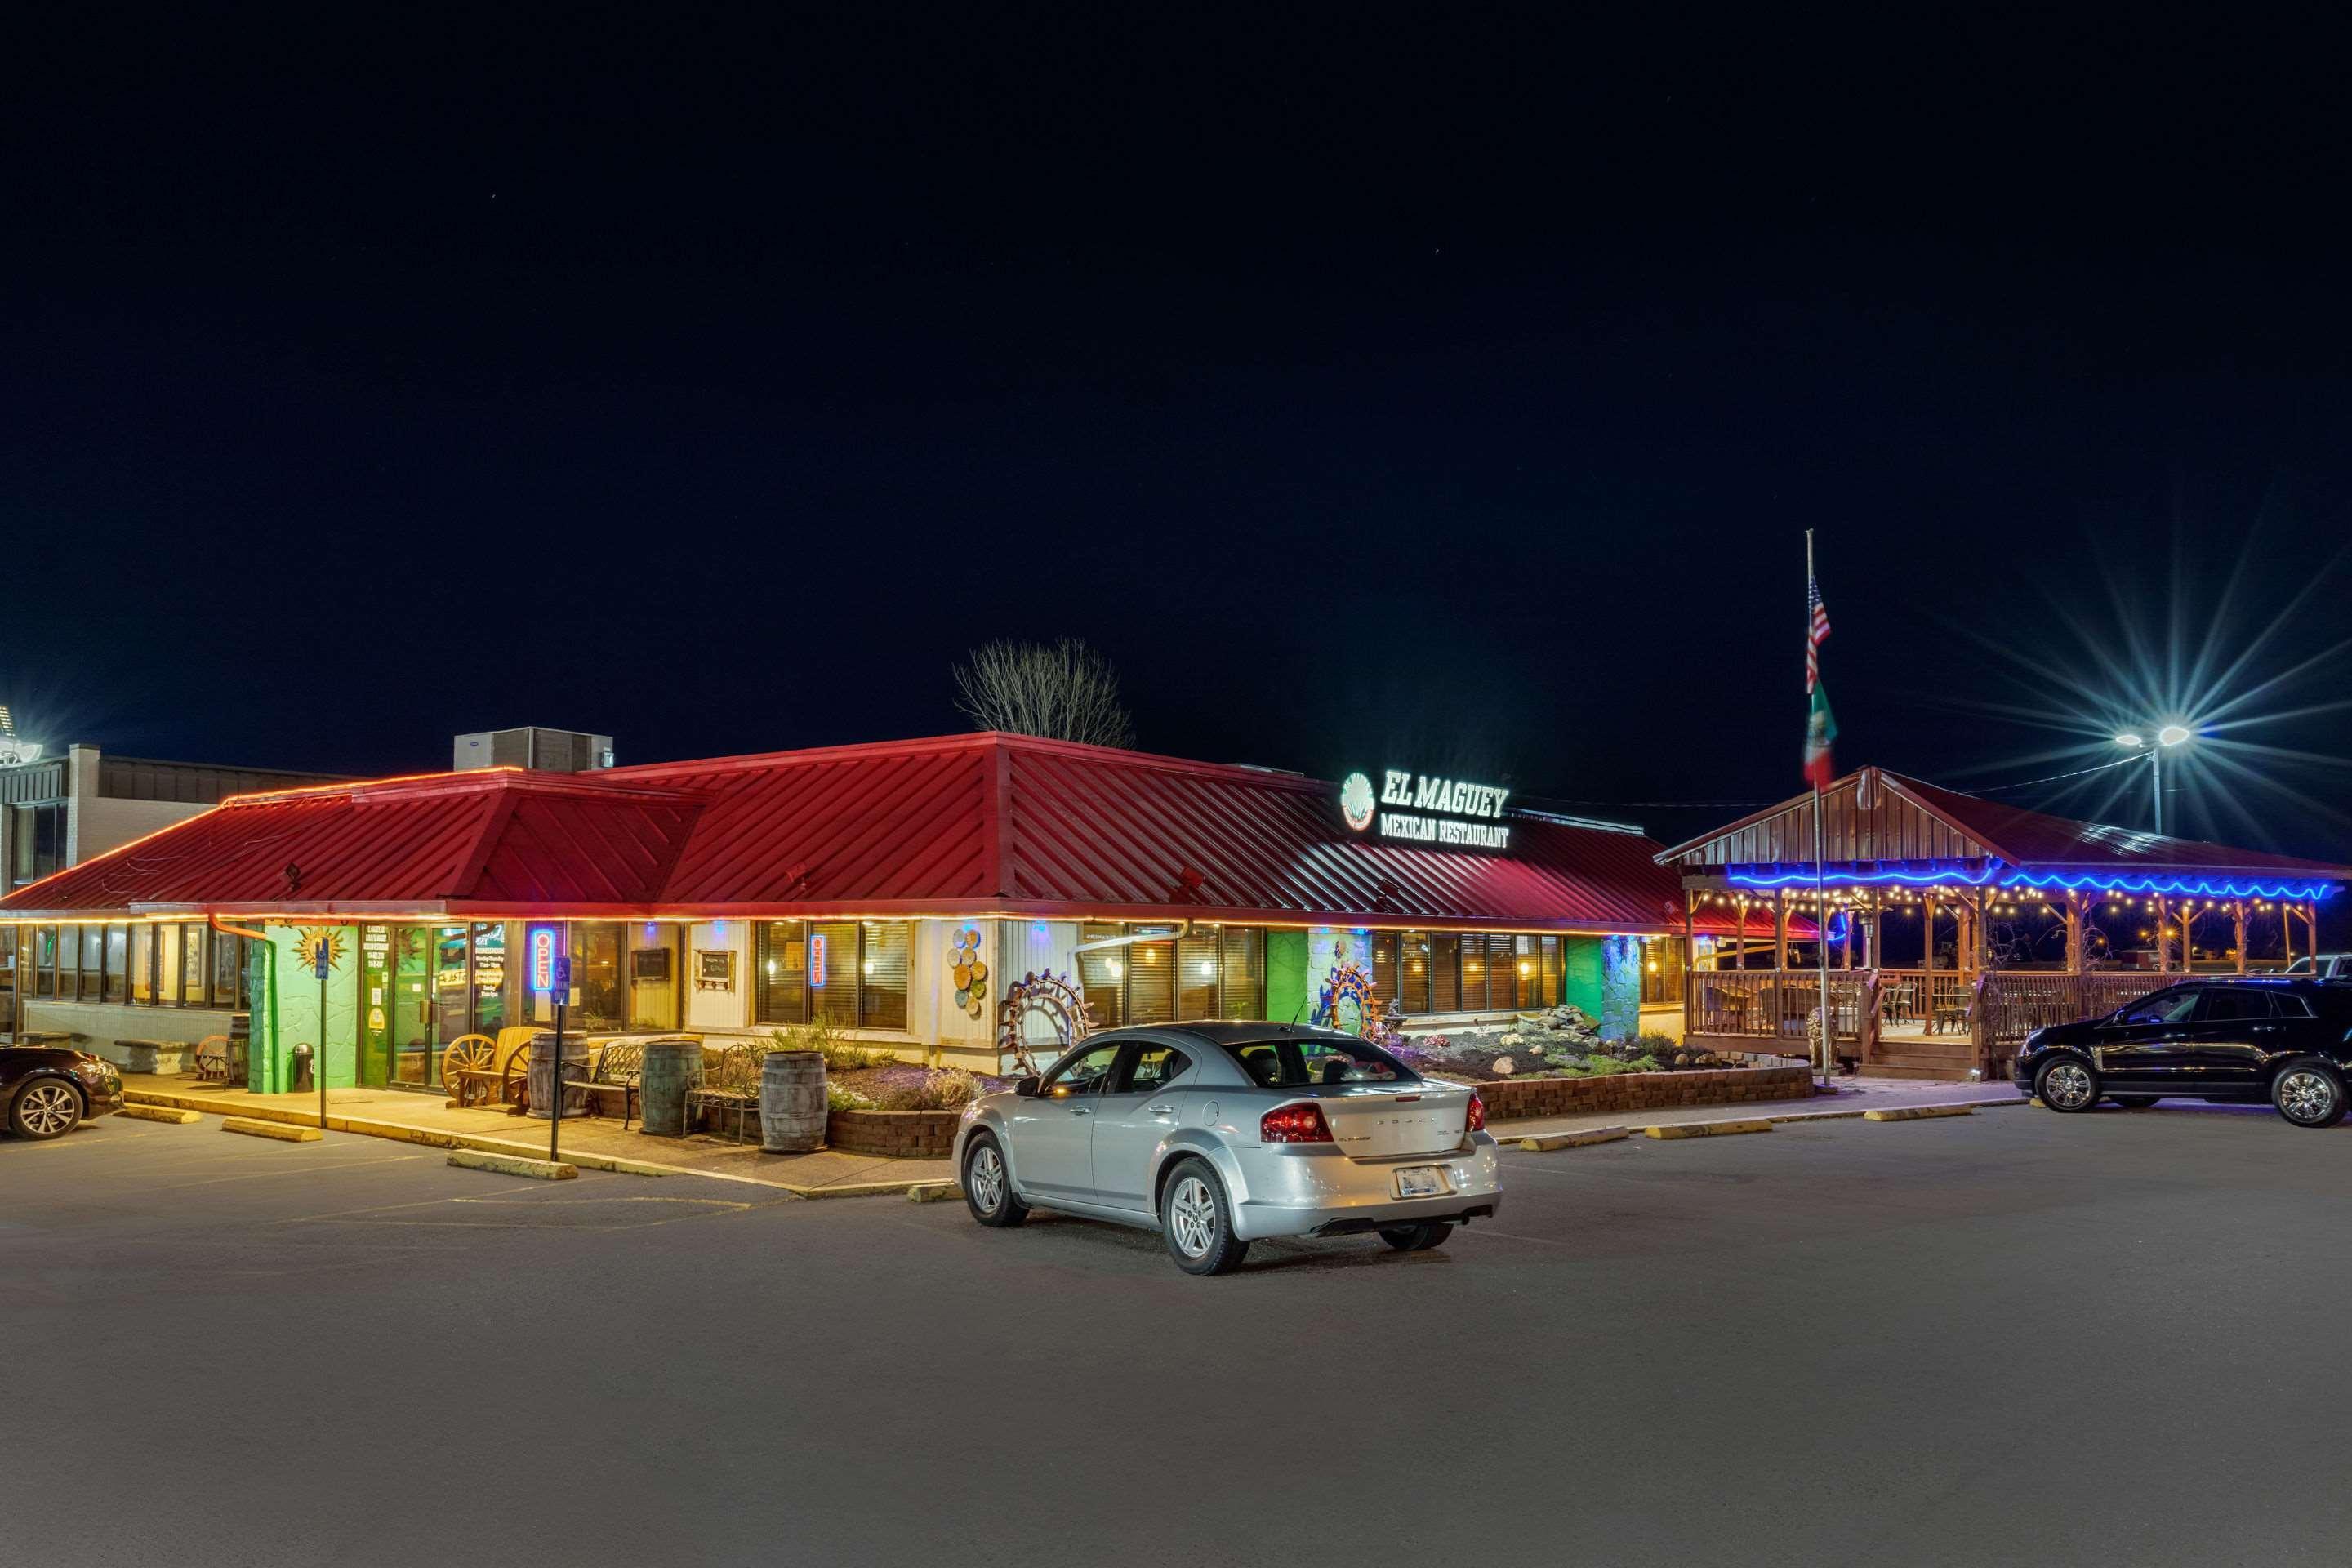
1855	1096
593	1142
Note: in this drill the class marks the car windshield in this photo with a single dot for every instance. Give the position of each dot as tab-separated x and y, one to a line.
1305	1064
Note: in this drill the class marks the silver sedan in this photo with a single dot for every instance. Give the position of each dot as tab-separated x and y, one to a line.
1219	1134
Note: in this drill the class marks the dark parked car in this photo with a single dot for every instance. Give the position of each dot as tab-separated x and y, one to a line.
2288	1042
49	1090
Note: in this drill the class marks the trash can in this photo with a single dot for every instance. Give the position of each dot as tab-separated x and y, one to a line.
576	1067
303	1081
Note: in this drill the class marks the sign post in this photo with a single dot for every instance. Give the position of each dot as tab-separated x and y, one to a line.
561	979
323	954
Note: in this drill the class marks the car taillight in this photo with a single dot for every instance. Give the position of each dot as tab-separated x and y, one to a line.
1301	1123
1477	1112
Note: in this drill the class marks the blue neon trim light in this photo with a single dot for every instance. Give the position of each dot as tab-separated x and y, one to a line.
2009	877
2175	885
1849	879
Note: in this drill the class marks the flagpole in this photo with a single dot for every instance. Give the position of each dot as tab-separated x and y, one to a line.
1820	893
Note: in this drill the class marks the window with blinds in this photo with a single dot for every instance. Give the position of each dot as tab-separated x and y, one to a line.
1196	975
1384	966
192	965
1242	981
1100	976
833	972
779	980
882	975
1445	973
1413	967
1474	972
1150	981
69	962
1550	970
118	962
1502	971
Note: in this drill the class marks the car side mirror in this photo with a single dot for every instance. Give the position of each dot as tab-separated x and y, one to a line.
1027	1089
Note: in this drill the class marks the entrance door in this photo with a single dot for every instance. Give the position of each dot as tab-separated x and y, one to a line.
413	1060
452	998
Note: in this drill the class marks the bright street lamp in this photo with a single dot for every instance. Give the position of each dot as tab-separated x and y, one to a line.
2170	735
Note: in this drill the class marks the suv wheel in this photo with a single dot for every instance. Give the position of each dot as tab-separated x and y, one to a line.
2309	1094
1197	1223
47	1108
2067	1084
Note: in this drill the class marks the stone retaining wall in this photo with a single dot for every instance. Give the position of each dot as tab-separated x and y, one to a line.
1642	1091
893	1134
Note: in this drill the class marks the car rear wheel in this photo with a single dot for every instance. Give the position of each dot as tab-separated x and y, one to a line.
46	1108
1418	1237
2067	1084
2135	1102
988	1185
1197	1222
2309	1094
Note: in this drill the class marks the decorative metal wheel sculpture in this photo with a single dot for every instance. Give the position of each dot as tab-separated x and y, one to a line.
1057	996
1351	982
468	1070
212	1058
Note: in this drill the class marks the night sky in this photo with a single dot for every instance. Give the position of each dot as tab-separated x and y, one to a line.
1377	387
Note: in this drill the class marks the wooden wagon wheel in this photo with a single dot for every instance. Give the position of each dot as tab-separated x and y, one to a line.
469	1057
1059	998
212	1057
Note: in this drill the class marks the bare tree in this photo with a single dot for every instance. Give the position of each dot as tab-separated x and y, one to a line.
1066	693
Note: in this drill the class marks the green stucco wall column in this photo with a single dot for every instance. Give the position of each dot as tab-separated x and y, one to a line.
296	1012
1286	976
1621	988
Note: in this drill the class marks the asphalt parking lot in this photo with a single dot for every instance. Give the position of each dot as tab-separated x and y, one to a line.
2008	1337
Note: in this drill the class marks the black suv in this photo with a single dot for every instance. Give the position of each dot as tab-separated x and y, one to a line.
2230	1041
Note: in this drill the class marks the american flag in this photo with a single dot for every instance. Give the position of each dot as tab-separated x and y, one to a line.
1817	631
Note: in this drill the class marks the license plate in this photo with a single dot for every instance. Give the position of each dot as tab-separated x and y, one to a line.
1420	1182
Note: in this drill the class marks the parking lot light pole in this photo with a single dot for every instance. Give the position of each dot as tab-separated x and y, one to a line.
2169	735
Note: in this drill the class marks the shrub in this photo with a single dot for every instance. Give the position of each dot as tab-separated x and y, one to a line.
840	1054
946	1088
1649	1046
837	1097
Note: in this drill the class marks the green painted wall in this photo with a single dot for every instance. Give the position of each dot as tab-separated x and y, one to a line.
294	1013
1286	976
1581	973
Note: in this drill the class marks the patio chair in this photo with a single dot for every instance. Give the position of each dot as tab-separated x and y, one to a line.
728	1079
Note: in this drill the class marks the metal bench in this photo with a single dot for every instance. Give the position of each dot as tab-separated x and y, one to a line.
728	1079
618	1066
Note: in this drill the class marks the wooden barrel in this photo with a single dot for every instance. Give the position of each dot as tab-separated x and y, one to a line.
575	1069
661	1086
792	1102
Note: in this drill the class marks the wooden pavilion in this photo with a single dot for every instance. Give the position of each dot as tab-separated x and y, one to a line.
2025	908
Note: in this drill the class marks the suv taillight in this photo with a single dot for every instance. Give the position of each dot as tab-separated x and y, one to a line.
1300	1123
1477	1112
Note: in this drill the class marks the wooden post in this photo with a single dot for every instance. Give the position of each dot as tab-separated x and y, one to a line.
1845	943
2238	914
1873	958
1983	932
2074	931
1928	949
1780	929
1690	959
2163	937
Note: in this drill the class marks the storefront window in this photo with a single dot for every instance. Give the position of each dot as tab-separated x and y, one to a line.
653	976
1241	985
882	975
1661	973
118	963
1384	966
191	966
1474	972
1102	975
228	970
1196	975
44	960
833	972
596	976
68	963
779	973
1445	972
491	1007
1551	960
1150	981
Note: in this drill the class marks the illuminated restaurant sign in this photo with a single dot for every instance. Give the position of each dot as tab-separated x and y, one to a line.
1424	808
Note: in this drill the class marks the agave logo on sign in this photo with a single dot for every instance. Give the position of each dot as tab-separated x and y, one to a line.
1424	808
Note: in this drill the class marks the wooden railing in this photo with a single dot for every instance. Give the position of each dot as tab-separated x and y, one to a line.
2011	1004
1771	1003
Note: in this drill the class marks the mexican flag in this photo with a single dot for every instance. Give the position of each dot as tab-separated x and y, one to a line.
1821	732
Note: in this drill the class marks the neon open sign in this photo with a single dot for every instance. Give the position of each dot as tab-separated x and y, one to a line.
816	962
542	947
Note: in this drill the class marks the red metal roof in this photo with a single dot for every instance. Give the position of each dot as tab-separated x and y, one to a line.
966	823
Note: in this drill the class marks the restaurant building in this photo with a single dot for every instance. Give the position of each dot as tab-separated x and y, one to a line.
896	891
